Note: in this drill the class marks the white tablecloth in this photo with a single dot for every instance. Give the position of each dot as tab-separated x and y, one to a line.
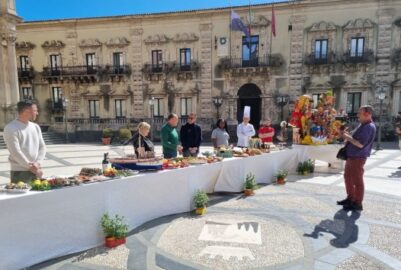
325	153
39	226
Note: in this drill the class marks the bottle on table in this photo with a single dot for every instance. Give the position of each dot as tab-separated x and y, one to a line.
106	163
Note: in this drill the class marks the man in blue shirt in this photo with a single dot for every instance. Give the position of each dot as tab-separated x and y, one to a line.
358	147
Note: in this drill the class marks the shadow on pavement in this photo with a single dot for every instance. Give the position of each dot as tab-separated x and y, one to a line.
343	237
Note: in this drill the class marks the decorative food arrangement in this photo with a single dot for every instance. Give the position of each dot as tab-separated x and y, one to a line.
20	187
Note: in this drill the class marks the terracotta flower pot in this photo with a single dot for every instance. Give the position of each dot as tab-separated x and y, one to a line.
248	192
106	141
120	241
110	242
280	181
200	210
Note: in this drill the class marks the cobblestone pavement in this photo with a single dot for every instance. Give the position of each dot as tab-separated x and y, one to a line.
295	226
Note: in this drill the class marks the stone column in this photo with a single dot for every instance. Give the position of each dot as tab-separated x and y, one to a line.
136	77
383	66
206	70
296	43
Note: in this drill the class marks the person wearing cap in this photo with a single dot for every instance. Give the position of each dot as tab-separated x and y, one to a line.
25	143
245	130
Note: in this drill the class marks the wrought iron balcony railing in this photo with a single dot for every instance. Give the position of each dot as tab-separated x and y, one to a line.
359	57
322	59
260	61
70	71
26	73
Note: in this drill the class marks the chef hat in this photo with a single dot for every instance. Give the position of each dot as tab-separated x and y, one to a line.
247	111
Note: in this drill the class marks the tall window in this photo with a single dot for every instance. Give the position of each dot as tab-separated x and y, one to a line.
118	62
26	93
158	107
353	103
186	106
55	64
90	63
157	61
185	59
357	47
24	62
120	108
250	51
316	98
57	97
321	47
94	108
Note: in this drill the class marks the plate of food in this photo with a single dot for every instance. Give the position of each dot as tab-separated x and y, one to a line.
197	161
18	188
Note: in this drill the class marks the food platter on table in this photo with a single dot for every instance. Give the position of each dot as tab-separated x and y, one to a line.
13	188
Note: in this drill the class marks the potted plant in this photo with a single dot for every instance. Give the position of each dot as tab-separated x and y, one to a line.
200	200
249	185
124	134
115	230
107	133
280	176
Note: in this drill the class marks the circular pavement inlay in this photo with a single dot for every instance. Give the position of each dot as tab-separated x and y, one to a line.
223	241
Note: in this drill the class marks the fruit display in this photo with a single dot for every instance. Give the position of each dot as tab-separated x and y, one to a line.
20	187
110	172
40	185
175	163
212	159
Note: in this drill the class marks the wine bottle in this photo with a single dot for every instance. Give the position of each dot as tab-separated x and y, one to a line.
105	163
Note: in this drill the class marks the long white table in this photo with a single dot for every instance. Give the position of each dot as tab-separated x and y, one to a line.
327	153
39	226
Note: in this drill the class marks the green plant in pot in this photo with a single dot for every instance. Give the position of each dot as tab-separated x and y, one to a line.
200	200
249	184
124	134
280	176
114	229
107	134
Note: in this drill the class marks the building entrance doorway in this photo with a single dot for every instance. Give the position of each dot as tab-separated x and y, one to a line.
249	95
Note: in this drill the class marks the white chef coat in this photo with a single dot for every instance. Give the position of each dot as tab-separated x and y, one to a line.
244	133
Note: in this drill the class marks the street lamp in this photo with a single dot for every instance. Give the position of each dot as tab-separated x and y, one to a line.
65	105
152	112
381	95
282	100
217	101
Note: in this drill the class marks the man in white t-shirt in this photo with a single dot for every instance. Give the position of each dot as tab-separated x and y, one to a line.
25	143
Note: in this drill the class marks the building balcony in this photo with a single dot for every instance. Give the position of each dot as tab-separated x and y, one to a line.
154	69
26	73
117	70
70	71
271	61
365	57
316	60
193	66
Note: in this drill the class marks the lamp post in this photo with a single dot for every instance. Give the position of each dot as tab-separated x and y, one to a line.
282	100
152	112
217	101
381	95
65	105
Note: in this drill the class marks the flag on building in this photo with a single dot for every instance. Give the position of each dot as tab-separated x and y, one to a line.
273	22
237	24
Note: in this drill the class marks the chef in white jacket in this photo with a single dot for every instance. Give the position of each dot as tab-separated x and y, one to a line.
245	130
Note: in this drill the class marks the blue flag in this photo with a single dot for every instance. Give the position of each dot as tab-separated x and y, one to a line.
237	24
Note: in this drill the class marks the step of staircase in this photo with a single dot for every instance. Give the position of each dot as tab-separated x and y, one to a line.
49	138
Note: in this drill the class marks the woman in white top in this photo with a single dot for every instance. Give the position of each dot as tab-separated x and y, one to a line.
220	135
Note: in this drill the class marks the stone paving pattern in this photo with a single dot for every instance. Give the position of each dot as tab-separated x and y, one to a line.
295	226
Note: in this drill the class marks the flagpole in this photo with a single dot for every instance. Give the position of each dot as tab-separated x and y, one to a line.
271	36
249	30
229	26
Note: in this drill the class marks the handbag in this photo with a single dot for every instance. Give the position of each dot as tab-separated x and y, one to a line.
342	153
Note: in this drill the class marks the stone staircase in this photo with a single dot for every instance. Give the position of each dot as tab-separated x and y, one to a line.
49	138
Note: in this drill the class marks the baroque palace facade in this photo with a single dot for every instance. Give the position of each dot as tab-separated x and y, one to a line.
116	71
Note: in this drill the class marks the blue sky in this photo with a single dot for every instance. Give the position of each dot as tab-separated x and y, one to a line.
32	10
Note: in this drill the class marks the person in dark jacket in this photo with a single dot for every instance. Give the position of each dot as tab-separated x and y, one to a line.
142	144
191	137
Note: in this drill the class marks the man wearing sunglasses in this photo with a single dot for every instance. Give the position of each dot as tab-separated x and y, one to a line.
25	143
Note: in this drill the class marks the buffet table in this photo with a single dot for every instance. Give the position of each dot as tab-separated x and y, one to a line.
38	226
327	153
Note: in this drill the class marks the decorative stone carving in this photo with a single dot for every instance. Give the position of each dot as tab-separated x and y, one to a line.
53	44
359	24
24	45
185	37
156	39
6	38
117	42
87	43
71	35
136	32
322	27
259	21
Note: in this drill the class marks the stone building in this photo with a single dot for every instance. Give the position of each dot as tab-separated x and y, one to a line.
116	71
